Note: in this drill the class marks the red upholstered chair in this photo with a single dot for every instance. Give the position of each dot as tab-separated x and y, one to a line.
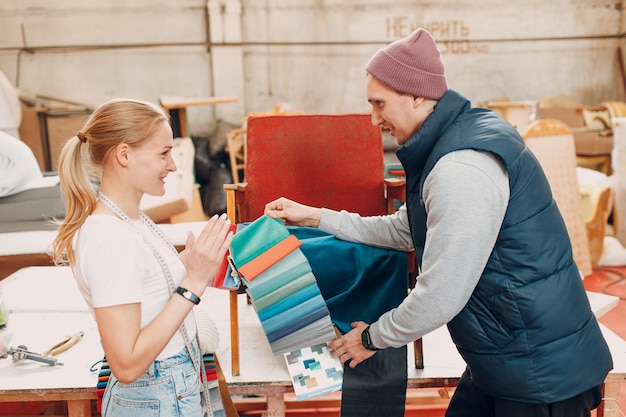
333	161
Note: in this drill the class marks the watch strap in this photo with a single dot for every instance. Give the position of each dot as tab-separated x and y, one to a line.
188	295
366	340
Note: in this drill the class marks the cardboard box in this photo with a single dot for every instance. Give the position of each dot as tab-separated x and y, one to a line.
30	133
570	116
60	126
592	142
45	131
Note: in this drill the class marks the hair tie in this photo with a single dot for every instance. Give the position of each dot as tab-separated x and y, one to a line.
81	137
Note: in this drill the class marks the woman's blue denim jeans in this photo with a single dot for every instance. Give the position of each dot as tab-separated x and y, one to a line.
169	388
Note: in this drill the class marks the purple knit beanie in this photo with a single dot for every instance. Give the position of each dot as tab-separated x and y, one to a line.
411	65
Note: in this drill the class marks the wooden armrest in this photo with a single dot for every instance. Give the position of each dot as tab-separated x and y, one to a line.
395	182
396	190
235	201
239	186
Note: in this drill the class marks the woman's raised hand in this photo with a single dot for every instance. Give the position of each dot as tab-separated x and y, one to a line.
204	254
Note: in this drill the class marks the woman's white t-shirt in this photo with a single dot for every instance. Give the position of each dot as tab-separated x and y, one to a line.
115	265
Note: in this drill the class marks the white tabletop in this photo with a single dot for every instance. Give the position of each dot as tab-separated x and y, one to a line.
259	364
46	306
52	288
43	289
40	241
40	331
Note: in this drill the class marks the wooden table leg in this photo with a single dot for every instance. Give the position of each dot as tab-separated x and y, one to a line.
275	405
609	407
79	408
418	353
234	310
234	333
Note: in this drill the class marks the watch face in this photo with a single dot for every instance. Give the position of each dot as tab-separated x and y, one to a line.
365	339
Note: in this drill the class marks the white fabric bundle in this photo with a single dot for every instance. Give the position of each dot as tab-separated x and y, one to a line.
208	335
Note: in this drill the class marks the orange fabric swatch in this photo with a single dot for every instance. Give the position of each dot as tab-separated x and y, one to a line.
268	258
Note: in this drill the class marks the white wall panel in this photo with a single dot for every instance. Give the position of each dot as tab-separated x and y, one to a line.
309	53
524	50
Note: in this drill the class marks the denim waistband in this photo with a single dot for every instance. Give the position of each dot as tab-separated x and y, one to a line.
179	358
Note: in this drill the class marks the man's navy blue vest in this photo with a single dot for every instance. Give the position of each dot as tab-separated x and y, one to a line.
527	333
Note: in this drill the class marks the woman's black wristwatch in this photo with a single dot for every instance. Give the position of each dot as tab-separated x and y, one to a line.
367	340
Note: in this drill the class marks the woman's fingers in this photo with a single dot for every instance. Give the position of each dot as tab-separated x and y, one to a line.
214	232
205	252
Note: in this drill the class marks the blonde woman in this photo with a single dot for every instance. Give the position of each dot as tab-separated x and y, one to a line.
139	289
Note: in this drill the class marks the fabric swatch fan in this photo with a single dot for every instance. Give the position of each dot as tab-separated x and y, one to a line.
281	286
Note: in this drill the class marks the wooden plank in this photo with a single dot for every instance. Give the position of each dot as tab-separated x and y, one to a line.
79	408
168	103
610	406
55	394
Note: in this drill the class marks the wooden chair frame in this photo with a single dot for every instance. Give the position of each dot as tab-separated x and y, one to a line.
237	213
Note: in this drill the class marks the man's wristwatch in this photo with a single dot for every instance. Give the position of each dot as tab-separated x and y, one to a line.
367	340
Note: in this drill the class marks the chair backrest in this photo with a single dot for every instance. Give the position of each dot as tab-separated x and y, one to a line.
333	161
615	108
596	221
552	142
236	145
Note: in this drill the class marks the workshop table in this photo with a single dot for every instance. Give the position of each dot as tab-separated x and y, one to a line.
46	306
